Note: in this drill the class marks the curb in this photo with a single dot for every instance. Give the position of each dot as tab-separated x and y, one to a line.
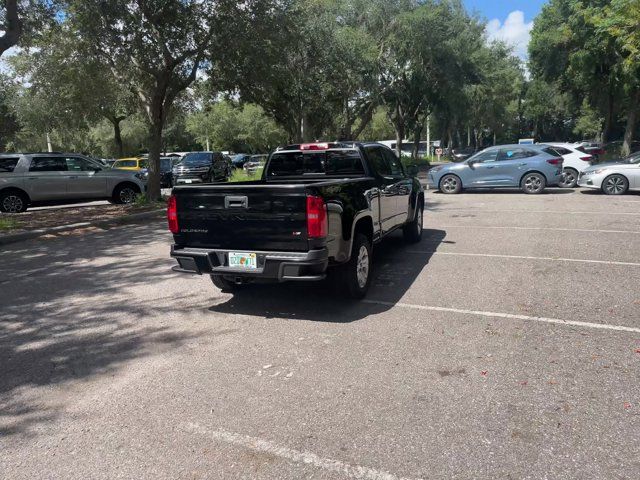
19	237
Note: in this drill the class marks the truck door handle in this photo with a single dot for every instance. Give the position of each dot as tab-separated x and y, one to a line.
236	202
490	166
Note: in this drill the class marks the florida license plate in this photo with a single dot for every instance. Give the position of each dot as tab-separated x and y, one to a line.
243	260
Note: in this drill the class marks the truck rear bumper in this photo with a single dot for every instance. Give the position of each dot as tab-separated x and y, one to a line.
271	266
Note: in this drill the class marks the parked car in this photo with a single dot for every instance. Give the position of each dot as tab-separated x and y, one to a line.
27	179
614	178
574	163
238	160
255	163
529	167
318	207
166	171
135	164
202	167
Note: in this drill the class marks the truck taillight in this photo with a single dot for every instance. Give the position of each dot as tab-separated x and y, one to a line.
314	146
172	214
317	224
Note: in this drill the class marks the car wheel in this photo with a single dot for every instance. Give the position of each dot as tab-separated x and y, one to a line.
355	275
533	183
13	202
450	184
569	178
125	194
413	231
615	185
224	284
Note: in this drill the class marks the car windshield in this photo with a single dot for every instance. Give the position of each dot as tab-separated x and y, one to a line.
196	159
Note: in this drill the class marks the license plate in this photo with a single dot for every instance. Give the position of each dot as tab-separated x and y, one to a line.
188	181
243	260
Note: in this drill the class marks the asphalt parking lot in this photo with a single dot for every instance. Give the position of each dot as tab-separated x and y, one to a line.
505	345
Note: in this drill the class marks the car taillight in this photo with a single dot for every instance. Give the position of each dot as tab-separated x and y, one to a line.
317	225
172	214
586	159
555	161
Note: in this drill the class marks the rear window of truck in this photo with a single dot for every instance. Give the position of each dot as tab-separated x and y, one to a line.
291	164
8	164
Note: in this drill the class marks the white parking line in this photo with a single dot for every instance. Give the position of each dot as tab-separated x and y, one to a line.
585	230
296	456
508	316
469	210
523	257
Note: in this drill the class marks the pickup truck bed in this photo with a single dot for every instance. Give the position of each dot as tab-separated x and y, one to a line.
292	228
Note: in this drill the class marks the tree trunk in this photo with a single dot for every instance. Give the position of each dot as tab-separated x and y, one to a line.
468	135
399	126
494	138
117	136
608	119
12	24
632	117
417	134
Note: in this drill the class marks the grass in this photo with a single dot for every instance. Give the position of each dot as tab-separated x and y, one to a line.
240	175
8	224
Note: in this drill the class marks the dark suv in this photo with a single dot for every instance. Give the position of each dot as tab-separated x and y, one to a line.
202	167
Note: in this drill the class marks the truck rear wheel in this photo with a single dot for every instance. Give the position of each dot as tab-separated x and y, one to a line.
223	284
413	230
355	275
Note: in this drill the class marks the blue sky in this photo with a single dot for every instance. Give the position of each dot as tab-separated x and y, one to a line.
510	21
501	9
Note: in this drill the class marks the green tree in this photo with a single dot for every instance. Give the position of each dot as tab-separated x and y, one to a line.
77	86
21	20
155	48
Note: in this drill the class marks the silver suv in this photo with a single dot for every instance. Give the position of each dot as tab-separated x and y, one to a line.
28	178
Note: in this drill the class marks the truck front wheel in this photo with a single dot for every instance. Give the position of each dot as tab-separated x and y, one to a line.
355	275
223	284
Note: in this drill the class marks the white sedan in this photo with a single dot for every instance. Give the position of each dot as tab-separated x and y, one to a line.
575	161
613	178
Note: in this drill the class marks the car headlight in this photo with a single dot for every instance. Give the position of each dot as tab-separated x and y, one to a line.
142	176
435	169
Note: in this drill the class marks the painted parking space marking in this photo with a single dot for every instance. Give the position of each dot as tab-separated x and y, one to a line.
507	316
544	229
524	257
295	456
469	210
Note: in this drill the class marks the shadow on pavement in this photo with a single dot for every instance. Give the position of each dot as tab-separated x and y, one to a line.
510	191
394	272
62	317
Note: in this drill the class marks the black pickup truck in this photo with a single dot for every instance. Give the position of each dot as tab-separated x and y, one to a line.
317	207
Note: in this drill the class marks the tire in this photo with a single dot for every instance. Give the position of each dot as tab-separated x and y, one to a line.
569	178
125	194
13	201
224	284
615	185
533	183
412	231
450	184
355	275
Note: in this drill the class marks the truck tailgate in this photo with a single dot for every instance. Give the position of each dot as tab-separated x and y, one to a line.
254	217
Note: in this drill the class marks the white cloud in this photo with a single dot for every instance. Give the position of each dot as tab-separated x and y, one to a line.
514	32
